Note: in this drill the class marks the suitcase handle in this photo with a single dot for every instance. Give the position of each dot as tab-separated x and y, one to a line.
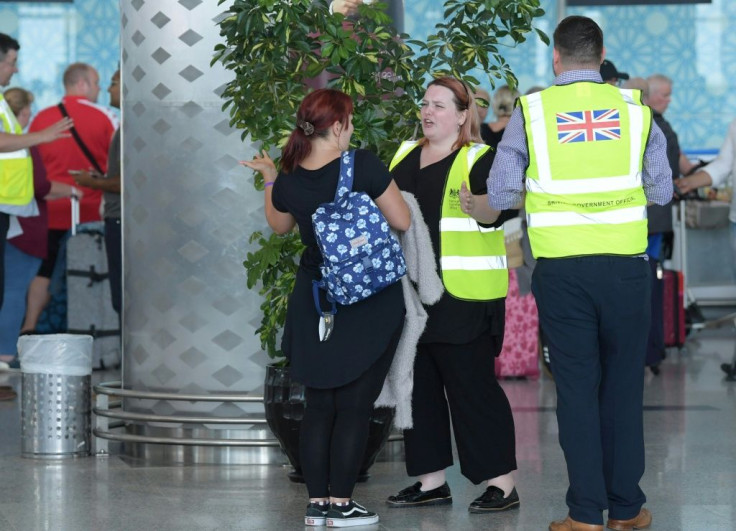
75	213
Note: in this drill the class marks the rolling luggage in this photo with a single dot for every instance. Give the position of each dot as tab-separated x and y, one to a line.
519	356
655	342
673	308
89	305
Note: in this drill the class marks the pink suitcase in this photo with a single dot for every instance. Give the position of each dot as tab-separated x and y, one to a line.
520	354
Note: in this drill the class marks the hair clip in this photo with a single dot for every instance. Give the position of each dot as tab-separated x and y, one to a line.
306	127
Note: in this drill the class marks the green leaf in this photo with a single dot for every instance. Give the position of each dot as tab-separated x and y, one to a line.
272	47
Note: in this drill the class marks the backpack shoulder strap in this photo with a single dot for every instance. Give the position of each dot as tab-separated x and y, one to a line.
347	167
80	142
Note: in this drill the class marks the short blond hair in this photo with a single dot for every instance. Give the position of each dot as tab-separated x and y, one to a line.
77	72
503	101
18	99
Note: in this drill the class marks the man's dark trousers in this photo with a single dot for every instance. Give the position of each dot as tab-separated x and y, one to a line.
595	312
114	250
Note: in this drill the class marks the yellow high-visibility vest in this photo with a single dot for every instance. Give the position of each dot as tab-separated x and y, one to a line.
472	258
584	190
16	167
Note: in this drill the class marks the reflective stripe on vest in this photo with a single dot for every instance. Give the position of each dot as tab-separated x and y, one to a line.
16	167
472	258
584	187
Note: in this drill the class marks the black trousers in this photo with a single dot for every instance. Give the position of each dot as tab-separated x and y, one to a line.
334	431
4	225
655	345
113	249
595	313
460	379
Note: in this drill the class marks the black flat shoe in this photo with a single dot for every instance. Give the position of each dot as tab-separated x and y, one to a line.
492	500
415	497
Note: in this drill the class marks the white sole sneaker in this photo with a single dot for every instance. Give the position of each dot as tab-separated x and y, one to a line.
315	521
352	522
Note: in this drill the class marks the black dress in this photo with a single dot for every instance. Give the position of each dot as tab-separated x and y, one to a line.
451	320
362	330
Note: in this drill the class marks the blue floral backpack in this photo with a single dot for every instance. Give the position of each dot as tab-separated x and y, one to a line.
361	255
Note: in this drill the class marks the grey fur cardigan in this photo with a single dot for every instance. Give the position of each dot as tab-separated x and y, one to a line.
421	285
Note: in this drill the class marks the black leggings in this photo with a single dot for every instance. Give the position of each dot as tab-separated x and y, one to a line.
334	430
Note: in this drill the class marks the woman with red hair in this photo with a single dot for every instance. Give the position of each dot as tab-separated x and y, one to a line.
342	376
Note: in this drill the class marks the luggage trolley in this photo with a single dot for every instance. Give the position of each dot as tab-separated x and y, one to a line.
690	300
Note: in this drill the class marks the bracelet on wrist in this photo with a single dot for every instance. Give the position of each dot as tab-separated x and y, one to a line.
269	183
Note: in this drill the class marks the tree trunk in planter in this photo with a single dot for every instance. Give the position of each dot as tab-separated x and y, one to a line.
284	404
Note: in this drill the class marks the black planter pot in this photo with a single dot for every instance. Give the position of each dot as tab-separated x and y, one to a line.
284	404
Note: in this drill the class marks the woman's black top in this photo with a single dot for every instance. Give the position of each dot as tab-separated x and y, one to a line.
362	330
489	136
451	320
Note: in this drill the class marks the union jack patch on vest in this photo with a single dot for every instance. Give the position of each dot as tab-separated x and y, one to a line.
588	126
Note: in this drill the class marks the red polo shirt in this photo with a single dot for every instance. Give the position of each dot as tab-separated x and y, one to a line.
96	125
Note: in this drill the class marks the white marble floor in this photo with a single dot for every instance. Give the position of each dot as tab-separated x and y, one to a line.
690	479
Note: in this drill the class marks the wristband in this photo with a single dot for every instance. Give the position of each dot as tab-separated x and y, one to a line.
269	183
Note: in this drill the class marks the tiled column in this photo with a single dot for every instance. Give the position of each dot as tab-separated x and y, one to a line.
188	209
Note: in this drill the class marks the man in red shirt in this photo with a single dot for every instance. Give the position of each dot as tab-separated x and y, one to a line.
95	126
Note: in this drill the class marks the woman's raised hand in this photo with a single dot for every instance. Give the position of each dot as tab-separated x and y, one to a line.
346	7
263	164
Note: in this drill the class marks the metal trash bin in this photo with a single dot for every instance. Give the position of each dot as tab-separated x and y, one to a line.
56	404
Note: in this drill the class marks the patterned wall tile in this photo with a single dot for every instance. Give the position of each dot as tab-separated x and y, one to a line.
53	36
695	45
188	213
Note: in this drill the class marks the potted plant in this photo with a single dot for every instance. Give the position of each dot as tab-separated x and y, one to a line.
275	47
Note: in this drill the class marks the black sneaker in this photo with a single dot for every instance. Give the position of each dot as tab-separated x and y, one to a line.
316	513
350	515
492	500
413	496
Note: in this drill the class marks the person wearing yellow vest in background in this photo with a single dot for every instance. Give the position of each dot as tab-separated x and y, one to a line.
455	356
591	158
16	168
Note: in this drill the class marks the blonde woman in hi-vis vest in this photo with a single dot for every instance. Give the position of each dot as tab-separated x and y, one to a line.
454	364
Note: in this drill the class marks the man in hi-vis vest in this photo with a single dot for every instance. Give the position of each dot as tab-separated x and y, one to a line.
16	169
590	159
